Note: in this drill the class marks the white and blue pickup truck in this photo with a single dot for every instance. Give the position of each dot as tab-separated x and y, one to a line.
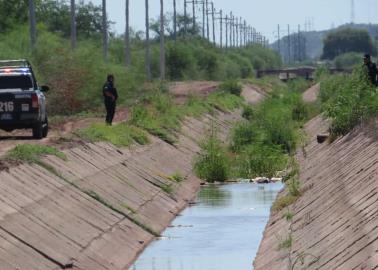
22	102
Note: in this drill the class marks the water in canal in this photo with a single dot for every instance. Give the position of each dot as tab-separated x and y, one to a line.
222	232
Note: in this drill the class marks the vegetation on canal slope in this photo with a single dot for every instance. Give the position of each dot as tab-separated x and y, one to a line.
270	134
32	153
262	143
157	114
347	100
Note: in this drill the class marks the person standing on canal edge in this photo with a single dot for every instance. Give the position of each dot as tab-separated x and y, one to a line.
371	69
110	99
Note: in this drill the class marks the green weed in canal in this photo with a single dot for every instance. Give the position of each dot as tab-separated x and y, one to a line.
212	163
288	216
286	243
176	177
167	188
258	160
293	193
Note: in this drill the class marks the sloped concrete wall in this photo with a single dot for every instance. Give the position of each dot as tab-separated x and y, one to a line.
102	206
335	225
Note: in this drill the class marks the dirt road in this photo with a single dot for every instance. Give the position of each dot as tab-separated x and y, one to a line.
181	91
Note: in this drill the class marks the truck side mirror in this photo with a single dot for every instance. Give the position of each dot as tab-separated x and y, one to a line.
45	88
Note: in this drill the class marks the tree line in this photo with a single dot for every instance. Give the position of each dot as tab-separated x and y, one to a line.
90	21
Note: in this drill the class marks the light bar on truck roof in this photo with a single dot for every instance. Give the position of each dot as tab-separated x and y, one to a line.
22	63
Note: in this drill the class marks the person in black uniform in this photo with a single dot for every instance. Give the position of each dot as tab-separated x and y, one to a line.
110	99
371	69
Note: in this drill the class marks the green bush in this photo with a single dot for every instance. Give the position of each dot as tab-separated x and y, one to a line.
232	86
275	118
348	60
212	163
180	61
321	72
208	63
243	133
224	101
348	100
258	160
300	110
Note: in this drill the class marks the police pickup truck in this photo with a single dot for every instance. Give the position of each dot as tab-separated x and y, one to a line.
22	102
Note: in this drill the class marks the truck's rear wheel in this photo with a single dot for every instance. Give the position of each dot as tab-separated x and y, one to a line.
38	131
45	128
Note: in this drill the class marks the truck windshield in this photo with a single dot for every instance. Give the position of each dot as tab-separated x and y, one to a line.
22	82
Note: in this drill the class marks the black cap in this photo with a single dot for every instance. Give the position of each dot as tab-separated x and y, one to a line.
110	76
367	56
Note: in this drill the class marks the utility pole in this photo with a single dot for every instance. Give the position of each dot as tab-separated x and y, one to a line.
299	43
162	43
227	31
279	39
185	19
104	31
221	29
148	54
213	19
174	21
203	18
304	46
237	32
207	20
245	33
33	28
241	32
248	35
73	24
288	44
233	32
194	16
127	35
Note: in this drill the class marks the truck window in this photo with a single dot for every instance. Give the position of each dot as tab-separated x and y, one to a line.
16	82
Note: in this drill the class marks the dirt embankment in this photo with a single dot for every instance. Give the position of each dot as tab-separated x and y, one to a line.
335	224
180	91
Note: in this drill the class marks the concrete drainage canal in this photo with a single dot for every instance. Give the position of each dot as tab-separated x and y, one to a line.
222	231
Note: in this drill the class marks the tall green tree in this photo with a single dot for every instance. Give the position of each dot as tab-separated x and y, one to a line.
13	12
347	40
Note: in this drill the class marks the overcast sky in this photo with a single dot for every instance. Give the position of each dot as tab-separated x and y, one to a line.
264	15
